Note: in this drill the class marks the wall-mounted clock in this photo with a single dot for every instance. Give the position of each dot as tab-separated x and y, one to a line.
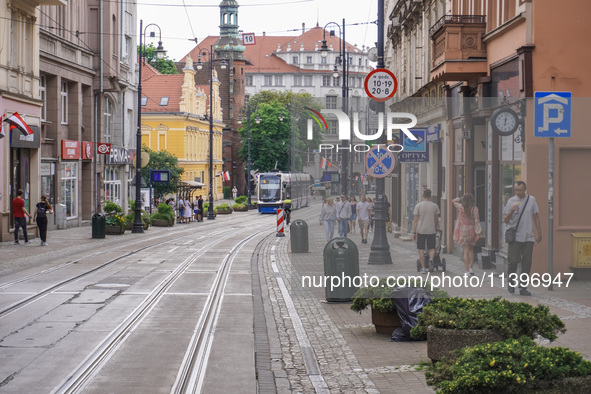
504	121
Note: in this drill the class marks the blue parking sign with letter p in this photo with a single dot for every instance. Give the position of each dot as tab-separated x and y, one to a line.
552	114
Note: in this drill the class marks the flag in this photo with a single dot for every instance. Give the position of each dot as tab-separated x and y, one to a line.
365	175
226	175
323	163
18	122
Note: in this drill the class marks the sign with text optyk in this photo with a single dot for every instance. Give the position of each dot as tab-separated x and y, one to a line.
552	114
414	151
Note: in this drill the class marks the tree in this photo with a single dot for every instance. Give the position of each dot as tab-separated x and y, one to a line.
164	66
162	160
272	139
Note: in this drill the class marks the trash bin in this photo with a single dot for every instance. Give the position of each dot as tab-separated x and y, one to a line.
98	225
299	236
341	268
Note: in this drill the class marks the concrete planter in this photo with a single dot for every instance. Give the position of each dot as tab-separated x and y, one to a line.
442	341
385	322
224	211
245	209
114	230
161	223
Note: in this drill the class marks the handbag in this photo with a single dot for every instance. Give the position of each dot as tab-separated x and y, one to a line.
511	232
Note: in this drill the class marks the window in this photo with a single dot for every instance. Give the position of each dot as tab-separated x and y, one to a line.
332	127
246	98
43	94
323	60
164	101
249	80
112	185
336	81
144	101
278	80
308	80
294	60
359	60
64	97
268	80
69	189
331	102
108	120
309	59
297	80
326	80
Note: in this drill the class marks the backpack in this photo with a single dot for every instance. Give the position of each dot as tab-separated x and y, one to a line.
41	211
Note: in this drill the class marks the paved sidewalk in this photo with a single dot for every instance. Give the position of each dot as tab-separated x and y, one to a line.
352	357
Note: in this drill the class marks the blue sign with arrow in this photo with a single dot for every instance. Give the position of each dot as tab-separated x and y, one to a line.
414	151
552	114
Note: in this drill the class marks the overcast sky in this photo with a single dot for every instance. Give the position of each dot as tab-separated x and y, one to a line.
181	20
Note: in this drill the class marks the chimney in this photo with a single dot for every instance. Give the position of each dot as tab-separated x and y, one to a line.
303	28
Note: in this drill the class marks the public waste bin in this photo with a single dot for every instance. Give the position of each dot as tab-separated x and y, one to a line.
341	268
299	236
98	225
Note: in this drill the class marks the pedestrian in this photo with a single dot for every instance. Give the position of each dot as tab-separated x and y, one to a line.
521	214
234	192
467	229
328	216
363	216
181	210
287	210
19	212
187	212
196	208
343	215
200	207
353	218
40	216
424	227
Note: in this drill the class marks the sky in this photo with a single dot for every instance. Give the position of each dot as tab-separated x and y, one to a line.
182	20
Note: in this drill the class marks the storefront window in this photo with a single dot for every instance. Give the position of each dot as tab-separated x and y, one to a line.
69	186
113	185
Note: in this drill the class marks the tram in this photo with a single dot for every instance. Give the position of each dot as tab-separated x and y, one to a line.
274	187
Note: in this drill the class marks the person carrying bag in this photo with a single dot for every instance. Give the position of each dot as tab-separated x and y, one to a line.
511	232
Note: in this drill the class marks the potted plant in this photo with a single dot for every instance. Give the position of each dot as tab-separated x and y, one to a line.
452	323
240	207
384	315
164	217
511	366
223	209
114	219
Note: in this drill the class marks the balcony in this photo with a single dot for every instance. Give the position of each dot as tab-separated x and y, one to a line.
458	51
50	2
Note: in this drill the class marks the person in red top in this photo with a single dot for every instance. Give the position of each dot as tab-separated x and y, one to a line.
20	212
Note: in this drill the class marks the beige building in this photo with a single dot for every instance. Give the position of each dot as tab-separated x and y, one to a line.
459	61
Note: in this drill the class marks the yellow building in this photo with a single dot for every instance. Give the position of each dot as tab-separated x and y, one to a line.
174	118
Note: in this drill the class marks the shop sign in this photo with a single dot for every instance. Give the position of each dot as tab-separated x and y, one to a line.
120	155
70	150
32	141
102	148
86	150
433	133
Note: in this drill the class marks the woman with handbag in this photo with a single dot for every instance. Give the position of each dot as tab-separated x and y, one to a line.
328	216
467	229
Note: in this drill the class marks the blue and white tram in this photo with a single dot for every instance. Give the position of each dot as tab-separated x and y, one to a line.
274	187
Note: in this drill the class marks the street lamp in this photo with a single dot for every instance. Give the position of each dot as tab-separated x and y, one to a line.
249	176
210	215
138	226
344	61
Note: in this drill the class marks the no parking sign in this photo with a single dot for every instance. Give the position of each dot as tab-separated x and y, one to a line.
379	161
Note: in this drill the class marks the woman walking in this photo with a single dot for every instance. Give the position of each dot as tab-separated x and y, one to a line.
40	216
467	229
328	216
354	214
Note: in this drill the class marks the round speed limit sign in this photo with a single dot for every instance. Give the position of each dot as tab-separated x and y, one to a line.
380	84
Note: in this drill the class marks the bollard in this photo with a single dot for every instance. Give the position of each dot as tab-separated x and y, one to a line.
341	267
280	223
98	225
298	235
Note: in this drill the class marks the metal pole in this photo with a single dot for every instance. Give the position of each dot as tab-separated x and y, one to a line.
249	175
380	249
551	210
344	105
138	226
210	215
293	142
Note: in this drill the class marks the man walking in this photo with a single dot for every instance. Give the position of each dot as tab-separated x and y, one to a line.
343	215
424	227
19	212
363	215
521	213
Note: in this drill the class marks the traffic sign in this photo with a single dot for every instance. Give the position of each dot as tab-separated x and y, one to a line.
379	161
380	84
552	114
248	39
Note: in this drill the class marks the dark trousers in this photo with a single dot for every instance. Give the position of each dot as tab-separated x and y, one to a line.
20	222
520	252
42	225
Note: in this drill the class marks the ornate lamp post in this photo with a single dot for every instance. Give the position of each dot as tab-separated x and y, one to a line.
257	120
138	226
344	61
210	215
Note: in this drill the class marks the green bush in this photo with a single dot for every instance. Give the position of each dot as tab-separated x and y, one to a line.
227	190
510	319
240	207
241	200
111	208
164	213
381	298
511	366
